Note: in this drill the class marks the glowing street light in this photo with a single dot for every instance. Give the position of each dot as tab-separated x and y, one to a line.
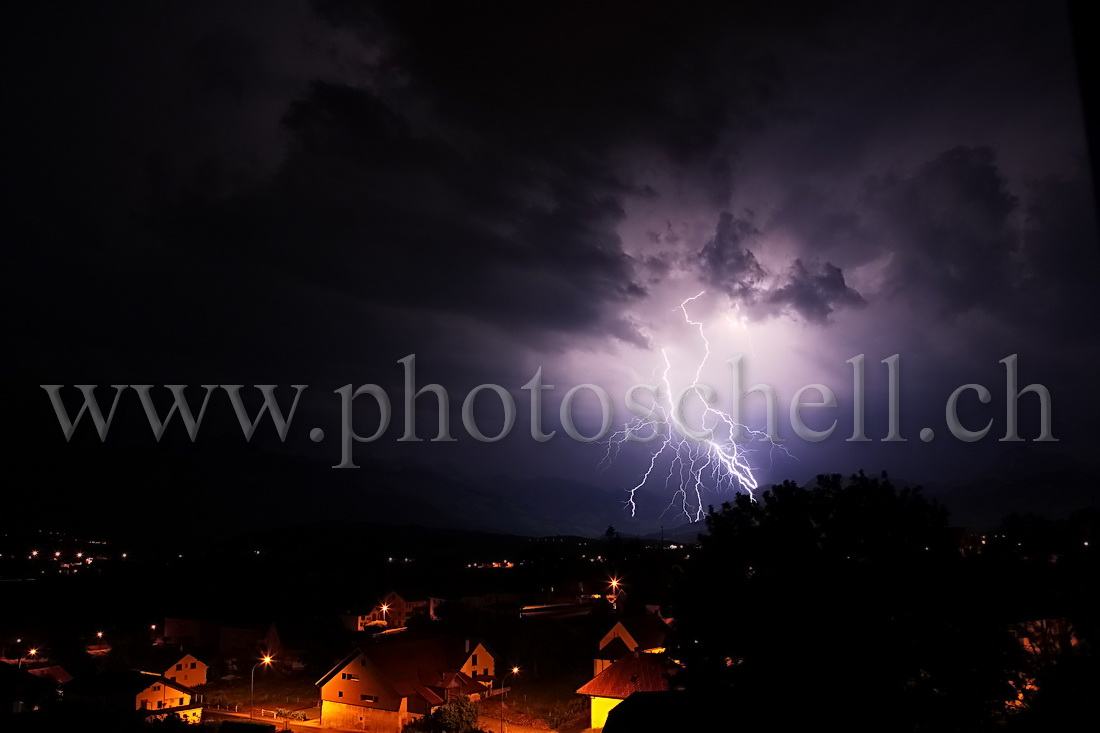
252	695
385	608
515	670
99	634
30	653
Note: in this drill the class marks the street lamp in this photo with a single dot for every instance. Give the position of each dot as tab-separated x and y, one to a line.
616	587
515	670
252	695
30	653
385	607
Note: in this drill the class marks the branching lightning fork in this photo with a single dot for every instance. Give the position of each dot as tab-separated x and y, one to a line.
715	463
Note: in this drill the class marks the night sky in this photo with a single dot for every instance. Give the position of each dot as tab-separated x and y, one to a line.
304	192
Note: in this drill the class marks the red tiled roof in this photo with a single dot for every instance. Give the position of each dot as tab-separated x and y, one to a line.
417	665
55	673
637	672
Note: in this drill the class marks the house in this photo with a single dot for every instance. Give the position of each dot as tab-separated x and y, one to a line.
639	634
398	677
610	653
188	670
148	695
22	691
162	696
52	672
396	610
635	672
176	665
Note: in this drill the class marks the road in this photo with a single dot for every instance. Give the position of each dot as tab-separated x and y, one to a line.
492	725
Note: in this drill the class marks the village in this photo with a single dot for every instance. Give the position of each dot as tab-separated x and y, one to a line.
546	638
391	629
194	670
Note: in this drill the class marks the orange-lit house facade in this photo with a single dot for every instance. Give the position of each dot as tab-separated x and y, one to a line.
385	684
163	697
188	670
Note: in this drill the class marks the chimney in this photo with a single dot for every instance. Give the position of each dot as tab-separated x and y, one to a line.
467	646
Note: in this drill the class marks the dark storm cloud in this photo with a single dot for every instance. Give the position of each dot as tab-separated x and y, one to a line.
286	191
411	220
726	260
813	292
456	163
810	291
952	238
951	226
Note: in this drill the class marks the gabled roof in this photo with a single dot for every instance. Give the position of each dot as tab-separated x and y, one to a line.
159	659
637	672
52	672
420	665
348	659
649	631
614	649
20	680
129	682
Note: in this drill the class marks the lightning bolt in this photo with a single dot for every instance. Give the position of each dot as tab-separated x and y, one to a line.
717	463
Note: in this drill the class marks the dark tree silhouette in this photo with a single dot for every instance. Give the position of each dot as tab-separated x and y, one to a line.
845	602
